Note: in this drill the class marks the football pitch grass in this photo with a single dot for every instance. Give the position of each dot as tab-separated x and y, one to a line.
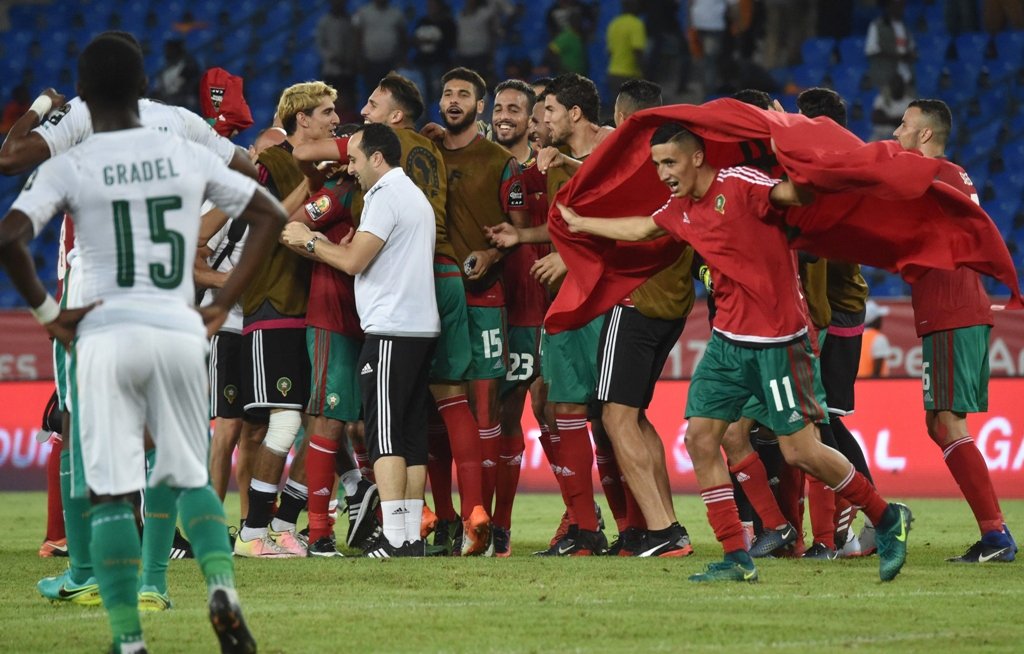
530	604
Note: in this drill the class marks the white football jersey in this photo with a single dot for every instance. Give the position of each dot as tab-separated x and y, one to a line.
218	242
67	126
135	196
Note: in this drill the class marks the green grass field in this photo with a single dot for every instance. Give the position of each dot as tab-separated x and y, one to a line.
527	604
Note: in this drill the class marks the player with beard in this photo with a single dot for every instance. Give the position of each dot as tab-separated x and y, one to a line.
397	102
484	189
953	317
571	113
527	301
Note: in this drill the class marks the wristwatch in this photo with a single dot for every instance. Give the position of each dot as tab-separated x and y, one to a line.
311	244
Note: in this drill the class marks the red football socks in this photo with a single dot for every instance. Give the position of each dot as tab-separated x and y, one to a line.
751	475
320	482
464	442
823	510
614	489
439	470
857	490
577	462
510	463
54	505
969	470
724	517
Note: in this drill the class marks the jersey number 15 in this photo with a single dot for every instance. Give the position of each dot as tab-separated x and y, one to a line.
158	233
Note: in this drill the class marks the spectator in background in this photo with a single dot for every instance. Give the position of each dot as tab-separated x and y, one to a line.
661	19
15	108
961	15
381	35
708	21
780	48
177	82
875	348
887	110
558	16
476	38
432	39
889	45
567	52
626	40
998	15
336	45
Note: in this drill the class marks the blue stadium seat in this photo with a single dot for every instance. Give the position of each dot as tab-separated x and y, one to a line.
817	51
932	46
1007	184
1013	153
934	18
1010	45
808	75
1000	71
846	79
970	47
1002	212
851	50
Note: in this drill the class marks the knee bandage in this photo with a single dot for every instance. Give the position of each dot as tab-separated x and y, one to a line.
281	431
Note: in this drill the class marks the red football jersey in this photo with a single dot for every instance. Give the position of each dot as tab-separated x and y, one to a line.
332	300
757	298
950	299
526	300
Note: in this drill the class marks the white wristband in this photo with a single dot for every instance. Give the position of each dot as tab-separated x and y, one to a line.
48	311
42	106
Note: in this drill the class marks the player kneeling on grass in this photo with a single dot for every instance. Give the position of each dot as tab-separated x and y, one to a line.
759	346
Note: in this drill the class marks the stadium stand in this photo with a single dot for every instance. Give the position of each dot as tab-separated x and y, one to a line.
268	42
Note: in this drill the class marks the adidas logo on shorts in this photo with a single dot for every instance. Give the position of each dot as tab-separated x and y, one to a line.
795	417
367	370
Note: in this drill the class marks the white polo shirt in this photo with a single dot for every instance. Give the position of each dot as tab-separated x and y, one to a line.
395	293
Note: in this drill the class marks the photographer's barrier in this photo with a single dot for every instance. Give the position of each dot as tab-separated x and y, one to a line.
889	422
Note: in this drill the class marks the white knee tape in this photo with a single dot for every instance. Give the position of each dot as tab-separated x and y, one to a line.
281	431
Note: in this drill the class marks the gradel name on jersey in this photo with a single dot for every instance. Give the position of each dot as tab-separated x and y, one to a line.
136	172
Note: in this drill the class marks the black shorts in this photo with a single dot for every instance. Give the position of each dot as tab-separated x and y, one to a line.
226	375
840	358
394	374
631	354
276	371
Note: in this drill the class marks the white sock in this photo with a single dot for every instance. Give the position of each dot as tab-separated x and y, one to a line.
281	525
413	518
350	480
250	533
393	512
332	510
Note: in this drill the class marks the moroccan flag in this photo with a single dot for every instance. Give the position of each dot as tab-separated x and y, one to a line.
876	204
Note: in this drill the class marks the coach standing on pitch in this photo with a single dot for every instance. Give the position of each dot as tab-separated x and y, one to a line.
391	256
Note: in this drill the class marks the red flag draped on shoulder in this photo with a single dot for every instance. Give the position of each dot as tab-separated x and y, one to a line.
877	204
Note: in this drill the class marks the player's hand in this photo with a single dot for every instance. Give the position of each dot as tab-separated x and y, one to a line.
549	157
56	97
433	131
213	317
484	259
295	234
777	106
64	327
571	218
549	270
347	238
503	235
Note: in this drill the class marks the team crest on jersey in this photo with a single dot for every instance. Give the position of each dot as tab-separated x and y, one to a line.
515	195
284	385
421	165
333	400
216	97
966	178
230	393
720	203
318	208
